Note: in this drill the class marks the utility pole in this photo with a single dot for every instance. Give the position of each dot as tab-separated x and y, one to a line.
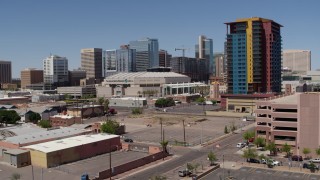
110	159
161	130
184	133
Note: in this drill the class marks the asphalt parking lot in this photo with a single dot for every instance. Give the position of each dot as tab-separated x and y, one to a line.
93	165
249	173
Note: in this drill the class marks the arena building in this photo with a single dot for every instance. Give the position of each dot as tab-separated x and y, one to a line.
139	84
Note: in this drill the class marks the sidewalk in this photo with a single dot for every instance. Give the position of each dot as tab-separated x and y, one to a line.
238	165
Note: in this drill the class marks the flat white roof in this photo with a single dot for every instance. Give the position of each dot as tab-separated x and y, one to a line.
291	99
61	144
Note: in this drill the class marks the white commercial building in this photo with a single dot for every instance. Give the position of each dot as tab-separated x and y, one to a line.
139	84
297	60
55	70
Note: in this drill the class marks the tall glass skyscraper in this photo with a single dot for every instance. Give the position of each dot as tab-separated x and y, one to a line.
204	50
147	53
120	60
253	56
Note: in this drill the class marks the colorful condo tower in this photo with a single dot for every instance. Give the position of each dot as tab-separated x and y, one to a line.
253	56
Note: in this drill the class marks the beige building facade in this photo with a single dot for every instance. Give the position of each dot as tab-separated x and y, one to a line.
31	76
91	62
292	119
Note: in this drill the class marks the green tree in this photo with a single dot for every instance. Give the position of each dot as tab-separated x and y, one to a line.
101	101
212	158
271	146
44	124
259	142
250	153
262	156
158	177
233	127
190	167
110	127
9	117
287	149
15	176
318	151
248	135
164	145
201	100
34	117
226	131
67	96
165	102
106	105
214	102
306	151
137	111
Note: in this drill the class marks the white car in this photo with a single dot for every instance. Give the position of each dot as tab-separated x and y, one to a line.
316	160
241	145
274	162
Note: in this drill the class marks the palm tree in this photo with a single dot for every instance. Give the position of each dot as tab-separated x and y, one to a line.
164	145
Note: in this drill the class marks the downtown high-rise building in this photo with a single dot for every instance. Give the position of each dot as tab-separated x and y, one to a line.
219	64
204	50
253	56
147	53
164	58
91	62
55	71
5	72
31	76
119	60
298	61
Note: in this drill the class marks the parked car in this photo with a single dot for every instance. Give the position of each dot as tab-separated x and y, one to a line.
251	160
112	111
274	162
241	145
316	160
308	166
184	173
296	158
263	161
128	140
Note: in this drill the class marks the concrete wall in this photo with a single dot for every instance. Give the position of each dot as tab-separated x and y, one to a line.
18	160
309	122
130	165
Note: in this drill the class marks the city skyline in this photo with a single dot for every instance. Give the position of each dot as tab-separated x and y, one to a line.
30	33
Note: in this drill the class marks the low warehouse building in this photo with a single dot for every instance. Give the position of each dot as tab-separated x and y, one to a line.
40	136
54	153
17	157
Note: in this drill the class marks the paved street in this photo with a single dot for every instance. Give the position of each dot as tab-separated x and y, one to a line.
249	173
170	168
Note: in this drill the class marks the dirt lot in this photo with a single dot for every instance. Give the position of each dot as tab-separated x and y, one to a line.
146	128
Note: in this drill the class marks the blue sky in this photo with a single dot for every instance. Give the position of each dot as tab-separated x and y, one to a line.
31	30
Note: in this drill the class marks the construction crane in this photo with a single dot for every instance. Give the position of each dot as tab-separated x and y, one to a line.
181	49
